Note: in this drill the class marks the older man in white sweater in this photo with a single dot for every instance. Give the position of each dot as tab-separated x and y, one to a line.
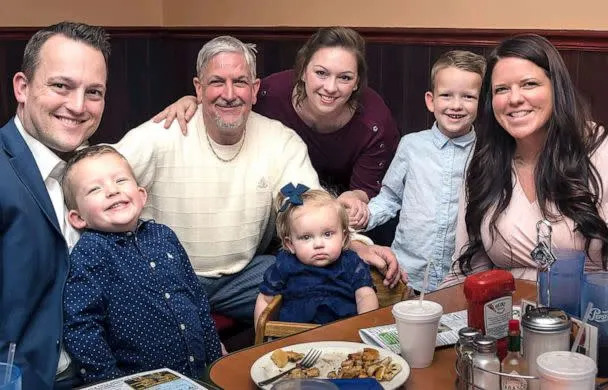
215	186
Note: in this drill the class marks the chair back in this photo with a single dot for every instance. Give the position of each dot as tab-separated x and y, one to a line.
388	296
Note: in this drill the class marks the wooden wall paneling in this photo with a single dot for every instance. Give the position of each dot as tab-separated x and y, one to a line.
373	54
572	59
267	53
174	79
116	113
138	71
275	56
170	73
393	64
593	83
128	100
152	67
11	56
415	83
5	81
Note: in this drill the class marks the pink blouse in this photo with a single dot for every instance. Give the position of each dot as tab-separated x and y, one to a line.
516	236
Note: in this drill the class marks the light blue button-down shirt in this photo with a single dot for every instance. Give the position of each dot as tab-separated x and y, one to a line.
424	180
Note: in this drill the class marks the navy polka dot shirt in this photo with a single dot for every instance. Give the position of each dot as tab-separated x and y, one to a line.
133	303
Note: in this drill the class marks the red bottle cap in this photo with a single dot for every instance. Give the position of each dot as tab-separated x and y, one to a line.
487	285
514	325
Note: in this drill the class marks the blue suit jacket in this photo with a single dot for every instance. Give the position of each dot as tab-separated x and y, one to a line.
33	264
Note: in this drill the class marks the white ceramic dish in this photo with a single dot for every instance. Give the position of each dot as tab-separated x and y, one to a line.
333	353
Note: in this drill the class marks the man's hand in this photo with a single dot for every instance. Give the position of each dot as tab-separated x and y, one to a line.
355	203
383	259
183	110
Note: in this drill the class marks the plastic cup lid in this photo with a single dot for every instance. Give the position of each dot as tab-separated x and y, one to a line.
566	365
414	310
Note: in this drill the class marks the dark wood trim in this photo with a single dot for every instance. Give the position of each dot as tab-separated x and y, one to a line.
152	66
587	40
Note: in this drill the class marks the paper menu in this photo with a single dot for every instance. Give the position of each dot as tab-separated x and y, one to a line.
161	379
386	336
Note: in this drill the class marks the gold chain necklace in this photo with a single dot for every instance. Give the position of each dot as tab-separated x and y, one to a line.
224	159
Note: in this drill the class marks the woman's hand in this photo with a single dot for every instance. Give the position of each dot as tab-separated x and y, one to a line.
183	110
383	259
355	203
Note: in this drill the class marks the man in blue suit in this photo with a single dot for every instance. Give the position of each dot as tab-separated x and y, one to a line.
60	93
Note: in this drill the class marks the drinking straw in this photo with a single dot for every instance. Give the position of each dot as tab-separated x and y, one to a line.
579	334
425	282
9	362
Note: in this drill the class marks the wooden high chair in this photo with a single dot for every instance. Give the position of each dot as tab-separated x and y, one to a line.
268	327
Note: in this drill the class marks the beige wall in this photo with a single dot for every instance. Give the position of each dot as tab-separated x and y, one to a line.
99	12
524	14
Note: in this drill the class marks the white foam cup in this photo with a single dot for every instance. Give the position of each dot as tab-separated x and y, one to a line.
564	370
417	324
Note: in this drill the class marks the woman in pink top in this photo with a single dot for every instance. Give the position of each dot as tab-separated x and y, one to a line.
538	156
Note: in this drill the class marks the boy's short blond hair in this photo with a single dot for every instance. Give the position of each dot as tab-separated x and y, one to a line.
67	186
460	59
315	197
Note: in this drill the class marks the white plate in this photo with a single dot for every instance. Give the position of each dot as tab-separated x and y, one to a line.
333	353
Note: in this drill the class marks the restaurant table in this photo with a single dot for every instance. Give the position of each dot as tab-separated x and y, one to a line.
233	371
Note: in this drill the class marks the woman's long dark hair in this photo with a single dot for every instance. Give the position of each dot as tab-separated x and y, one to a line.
564	175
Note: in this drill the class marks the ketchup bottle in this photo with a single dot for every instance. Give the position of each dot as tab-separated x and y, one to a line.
490	302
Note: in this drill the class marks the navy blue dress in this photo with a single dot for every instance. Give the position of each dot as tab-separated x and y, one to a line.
316	294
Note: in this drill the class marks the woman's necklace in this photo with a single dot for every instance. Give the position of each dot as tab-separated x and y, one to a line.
226	160
325	125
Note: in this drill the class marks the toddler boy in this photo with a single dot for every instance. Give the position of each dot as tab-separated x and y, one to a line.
132	301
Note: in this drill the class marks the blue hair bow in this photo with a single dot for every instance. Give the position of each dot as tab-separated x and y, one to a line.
293	195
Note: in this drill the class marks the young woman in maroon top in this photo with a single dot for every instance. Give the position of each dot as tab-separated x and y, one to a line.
350	132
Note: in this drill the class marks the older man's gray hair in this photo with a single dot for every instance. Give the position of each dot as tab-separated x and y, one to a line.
226	44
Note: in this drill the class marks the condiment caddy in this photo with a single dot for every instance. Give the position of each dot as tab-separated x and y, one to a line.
546	335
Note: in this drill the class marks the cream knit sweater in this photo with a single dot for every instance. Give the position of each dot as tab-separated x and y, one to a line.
219	210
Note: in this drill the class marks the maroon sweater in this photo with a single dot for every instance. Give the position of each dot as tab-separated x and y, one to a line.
354	157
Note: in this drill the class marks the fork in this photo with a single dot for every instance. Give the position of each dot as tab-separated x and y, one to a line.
308	361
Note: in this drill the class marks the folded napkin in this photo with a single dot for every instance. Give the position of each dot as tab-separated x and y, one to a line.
357	384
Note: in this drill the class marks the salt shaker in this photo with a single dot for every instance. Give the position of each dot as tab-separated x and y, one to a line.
545	329
464	355
485	357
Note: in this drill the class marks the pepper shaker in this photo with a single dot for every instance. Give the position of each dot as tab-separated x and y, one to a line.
464	356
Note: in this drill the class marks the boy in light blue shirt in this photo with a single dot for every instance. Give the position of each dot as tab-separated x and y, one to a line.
425	177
